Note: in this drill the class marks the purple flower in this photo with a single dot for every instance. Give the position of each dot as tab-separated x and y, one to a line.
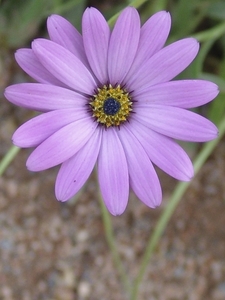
107	97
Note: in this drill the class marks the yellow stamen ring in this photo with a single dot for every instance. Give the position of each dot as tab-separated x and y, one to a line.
111	106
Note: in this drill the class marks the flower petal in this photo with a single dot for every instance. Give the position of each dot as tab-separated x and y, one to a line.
75	171
96	33
62	145
176	122
154	34
113	173
43	97
180	93
28	61
143	178
65	34
64	65
164	152
45	125
123	44
164	65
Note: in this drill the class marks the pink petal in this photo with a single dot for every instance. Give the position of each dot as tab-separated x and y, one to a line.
64	65
38	129
176	122
43	97
181	93
123	45
96	33
113	173
154	34
28	61
165	64
75	171
164	152
65	34
143	178
61	145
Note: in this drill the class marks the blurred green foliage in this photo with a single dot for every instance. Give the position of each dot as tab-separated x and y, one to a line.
21	20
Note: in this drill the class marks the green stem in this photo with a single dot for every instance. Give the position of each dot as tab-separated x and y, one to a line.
172	204
64	7
159	5
56	4
135	3
202	55
112	245
212	33
10	155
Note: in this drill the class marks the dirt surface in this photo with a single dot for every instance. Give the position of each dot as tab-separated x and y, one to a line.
55	251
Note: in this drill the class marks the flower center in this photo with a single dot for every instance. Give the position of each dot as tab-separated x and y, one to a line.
111	106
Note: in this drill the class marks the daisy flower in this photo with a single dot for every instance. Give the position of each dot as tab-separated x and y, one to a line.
107	97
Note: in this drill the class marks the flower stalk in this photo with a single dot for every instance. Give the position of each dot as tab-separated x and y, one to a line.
110	237
8	158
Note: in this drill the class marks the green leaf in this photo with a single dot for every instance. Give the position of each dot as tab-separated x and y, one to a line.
217	109
186	16
217	10
24	20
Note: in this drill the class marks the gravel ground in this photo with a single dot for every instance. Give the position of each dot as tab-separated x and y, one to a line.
55	251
